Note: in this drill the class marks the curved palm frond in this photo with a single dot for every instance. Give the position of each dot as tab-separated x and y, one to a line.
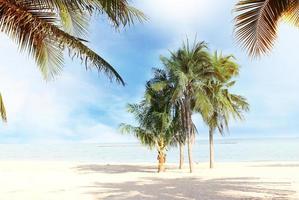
223	103
239	105
73	20
75	13
18	23
145	137
292	15
44	28
36	33
256	23
225	66
2	109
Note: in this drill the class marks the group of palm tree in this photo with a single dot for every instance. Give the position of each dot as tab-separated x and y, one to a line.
191	81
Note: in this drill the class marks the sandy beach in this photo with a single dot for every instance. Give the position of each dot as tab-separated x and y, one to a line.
35	180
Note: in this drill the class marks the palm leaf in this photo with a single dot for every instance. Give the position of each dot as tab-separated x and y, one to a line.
35	32
292	15
18	22
145	137
2	110
74	20
256	23
119	12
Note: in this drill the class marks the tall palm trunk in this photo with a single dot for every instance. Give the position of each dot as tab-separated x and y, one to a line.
181	155
187	123
190	154
211	138
183	123
161	157
189	132
161	162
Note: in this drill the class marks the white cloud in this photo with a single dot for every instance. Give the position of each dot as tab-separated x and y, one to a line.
179	14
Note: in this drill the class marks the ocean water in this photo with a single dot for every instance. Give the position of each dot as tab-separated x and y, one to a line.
226	150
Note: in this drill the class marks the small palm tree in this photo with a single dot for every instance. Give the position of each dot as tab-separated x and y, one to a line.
155	127
223	103
163	81
256	22
46	28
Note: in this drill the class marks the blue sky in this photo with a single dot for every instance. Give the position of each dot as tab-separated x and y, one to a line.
82	106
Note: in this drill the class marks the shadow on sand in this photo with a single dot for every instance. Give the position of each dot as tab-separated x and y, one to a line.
278	165
182	188
115	169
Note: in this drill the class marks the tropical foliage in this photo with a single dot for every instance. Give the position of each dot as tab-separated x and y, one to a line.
192	81
257	21
188	70
154	123
163	82
46	28
224	103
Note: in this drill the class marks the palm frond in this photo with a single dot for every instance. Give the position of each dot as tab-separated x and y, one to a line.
73	20
292	14
2	109
35	32
224	105
119	12
145	137
256	23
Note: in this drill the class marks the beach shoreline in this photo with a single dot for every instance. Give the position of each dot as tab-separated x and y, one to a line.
47	180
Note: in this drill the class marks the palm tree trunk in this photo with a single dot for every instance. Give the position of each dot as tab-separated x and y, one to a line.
190	154
161	161
161	156
211	138
189	130
181	156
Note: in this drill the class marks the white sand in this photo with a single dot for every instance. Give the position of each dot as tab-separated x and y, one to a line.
20	180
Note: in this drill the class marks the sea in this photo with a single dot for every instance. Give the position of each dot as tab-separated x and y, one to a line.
226	150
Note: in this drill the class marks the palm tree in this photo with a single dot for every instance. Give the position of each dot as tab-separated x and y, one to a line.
224	104
188	69
162	81
257	20
154	119
46	28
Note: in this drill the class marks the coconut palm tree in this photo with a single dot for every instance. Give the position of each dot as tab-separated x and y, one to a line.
188	69
154	119
257	20
162	81
224	104
46	28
